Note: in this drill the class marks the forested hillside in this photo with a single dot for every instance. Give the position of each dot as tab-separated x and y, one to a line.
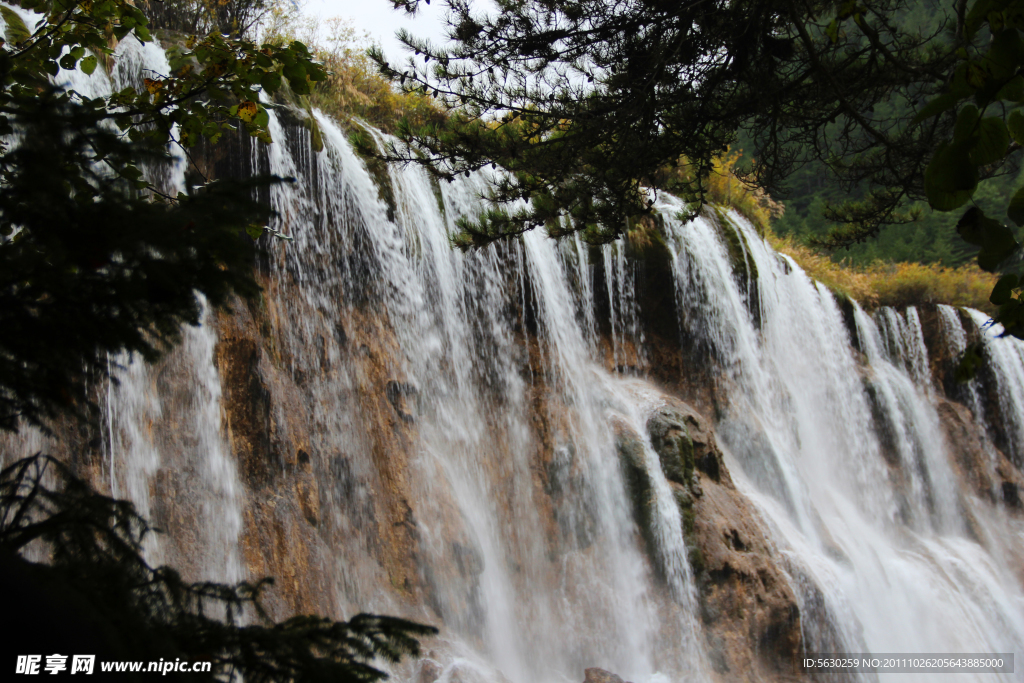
810	189
931	239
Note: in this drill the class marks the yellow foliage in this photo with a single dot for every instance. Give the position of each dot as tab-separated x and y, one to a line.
641	232
880	284
895	284
726	188
353	87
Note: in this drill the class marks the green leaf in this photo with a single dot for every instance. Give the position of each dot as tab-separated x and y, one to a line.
255	231
1015	124
1005	54
315	72
88	65
978	15
1003	291
995	239
993	141
960	87
295	73
942	103
977	76
1011	317
951	178
1013	90
131	173
966	120
271	81
1016	208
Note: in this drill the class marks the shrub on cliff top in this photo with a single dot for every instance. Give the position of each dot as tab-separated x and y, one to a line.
894	284
726	186
353	87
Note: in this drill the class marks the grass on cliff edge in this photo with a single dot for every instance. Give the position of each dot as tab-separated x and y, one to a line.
894	284
353	88
879	284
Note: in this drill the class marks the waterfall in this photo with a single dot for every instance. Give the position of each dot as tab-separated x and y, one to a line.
1006	357
455	371
401	427
880	526
161	435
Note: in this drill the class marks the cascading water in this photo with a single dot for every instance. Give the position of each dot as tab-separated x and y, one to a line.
161	428
910	422
905	571
623	314
1007	360
412	429
459	379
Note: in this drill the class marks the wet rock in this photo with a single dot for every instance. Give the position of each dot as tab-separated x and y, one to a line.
707	458
683	495
983	469
672	443
308	495
751	616
744	268
817	618
655	278
468	559
247	407
558	470
639	487
757	456
402	397
596	675
430	671
466	672
1011	494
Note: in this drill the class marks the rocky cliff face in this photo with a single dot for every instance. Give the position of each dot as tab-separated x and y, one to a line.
674	454
749	599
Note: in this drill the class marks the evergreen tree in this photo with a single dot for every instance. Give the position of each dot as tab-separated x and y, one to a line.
588	102
98	595
95	259
585	102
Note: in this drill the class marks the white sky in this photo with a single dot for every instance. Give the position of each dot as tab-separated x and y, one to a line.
381	21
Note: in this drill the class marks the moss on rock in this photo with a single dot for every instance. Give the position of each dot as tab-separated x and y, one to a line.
639	487
672	443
